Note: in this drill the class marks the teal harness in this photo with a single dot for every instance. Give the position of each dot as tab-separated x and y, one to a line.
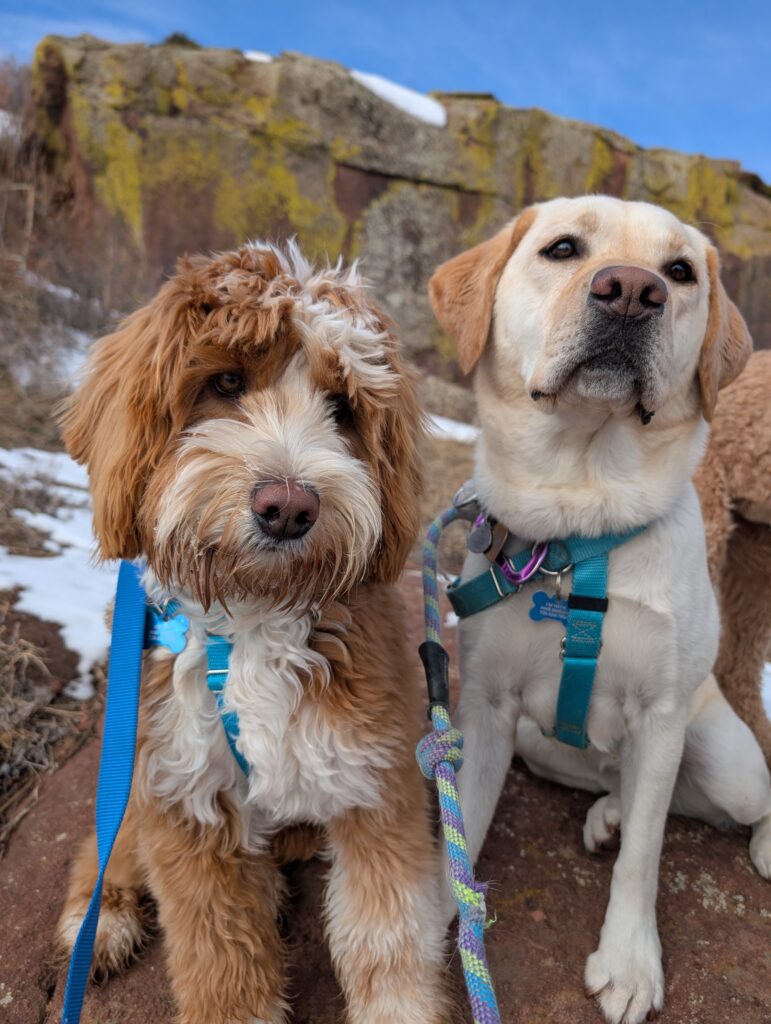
167	627
587	604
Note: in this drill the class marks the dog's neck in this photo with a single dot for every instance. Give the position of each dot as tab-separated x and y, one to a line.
549	472
241	616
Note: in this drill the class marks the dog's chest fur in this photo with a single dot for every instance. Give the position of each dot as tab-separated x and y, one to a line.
306	763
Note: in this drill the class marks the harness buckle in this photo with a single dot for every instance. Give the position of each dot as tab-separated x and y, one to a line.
563	643
497	584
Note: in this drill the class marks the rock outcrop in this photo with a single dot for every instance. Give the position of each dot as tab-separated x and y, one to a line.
147	152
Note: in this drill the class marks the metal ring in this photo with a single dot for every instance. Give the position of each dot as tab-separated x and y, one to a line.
559	572
460	500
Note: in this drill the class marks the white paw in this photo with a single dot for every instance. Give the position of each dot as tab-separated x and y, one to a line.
120	935
602	823
760	847
626	976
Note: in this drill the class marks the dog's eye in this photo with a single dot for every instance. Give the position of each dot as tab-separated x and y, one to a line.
229	385
681	271
341	409
562	249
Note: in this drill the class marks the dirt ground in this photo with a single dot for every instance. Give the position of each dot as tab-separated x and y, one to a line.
547	894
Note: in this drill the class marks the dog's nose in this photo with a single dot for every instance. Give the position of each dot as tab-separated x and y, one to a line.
629	292
284	509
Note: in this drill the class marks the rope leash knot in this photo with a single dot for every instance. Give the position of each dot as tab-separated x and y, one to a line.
439	747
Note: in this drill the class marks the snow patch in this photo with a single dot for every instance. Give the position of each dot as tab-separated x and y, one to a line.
258	56
10	125
453	430
416	104
67	588
60	290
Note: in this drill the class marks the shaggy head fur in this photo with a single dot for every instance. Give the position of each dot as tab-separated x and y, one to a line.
315	375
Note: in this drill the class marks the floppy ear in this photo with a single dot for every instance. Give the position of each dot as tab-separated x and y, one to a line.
121	417
462	289
398	427
727	343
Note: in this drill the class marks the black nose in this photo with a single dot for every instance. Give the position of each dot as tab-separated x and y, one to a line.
284	510
629	292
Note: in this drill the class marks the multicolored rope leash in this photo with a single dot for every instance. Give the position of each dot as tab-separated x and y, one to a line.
439	757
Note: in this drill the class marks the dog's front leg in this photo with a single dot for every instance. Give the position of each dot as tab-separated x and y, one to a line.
487	718
625	971
218	907
385	930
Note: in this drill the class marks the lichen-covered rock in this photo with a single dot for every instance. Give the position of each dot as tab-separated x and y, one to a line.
149	152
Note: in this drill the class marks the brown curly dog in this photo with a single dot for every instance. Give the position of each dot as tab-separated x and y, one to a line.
734	484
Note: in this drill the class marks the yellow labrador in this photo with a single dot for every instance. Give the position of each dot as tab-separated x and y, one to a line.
600	335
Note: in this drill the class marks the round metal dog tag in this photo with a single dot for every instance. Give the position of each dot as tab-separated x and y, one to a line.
480	537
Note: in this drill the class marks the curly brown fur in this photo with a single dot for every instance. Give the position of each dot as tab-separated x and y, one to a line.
319	672
734	484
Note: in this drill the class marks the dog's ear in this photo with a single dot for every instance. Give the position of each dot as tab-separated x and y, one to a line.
397	428
462	289
120	418
727	343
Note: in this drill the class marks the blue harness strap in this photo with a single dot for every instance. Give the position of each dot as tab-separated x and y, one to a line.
117	764
218	650
587	604
580	649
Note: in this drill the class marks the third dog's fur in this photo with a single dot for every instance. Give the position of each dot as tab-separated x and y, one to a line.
734	485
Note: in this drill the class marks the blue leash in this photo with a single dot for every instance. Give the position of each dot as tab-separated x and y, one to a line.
117	764
135	626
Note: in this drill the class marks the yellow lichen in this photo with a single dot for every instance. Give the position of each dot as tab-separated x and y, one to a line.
601	166
532	180
712	195
477	139
113	153
120	187
181	90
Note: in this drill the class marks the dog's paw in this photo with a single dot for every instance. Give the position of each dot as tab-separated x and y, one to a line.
603	821
626	978
760	847
121	933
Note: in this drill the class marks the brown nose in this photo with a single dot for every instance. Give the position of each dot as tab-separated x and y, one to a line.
284	509
629	292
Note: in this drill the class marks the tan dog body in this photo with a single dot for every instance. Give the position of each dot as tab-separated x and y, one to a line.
565	389
734	484
254	374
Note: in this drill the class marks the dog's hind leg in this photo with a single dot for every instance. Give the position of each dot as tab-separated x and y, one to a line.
122	927
567	766
723	776
745	597
218	907
382	910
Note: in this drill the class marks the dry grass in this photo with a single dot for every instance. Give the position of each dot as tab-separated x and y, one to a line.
39	725
17	536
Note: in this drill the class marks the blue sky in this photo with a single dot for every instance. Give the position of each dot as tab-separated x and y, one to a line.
688	75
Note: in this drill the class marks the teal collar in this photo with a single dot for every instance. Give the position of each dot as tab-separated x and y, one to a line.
167	627
587	604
